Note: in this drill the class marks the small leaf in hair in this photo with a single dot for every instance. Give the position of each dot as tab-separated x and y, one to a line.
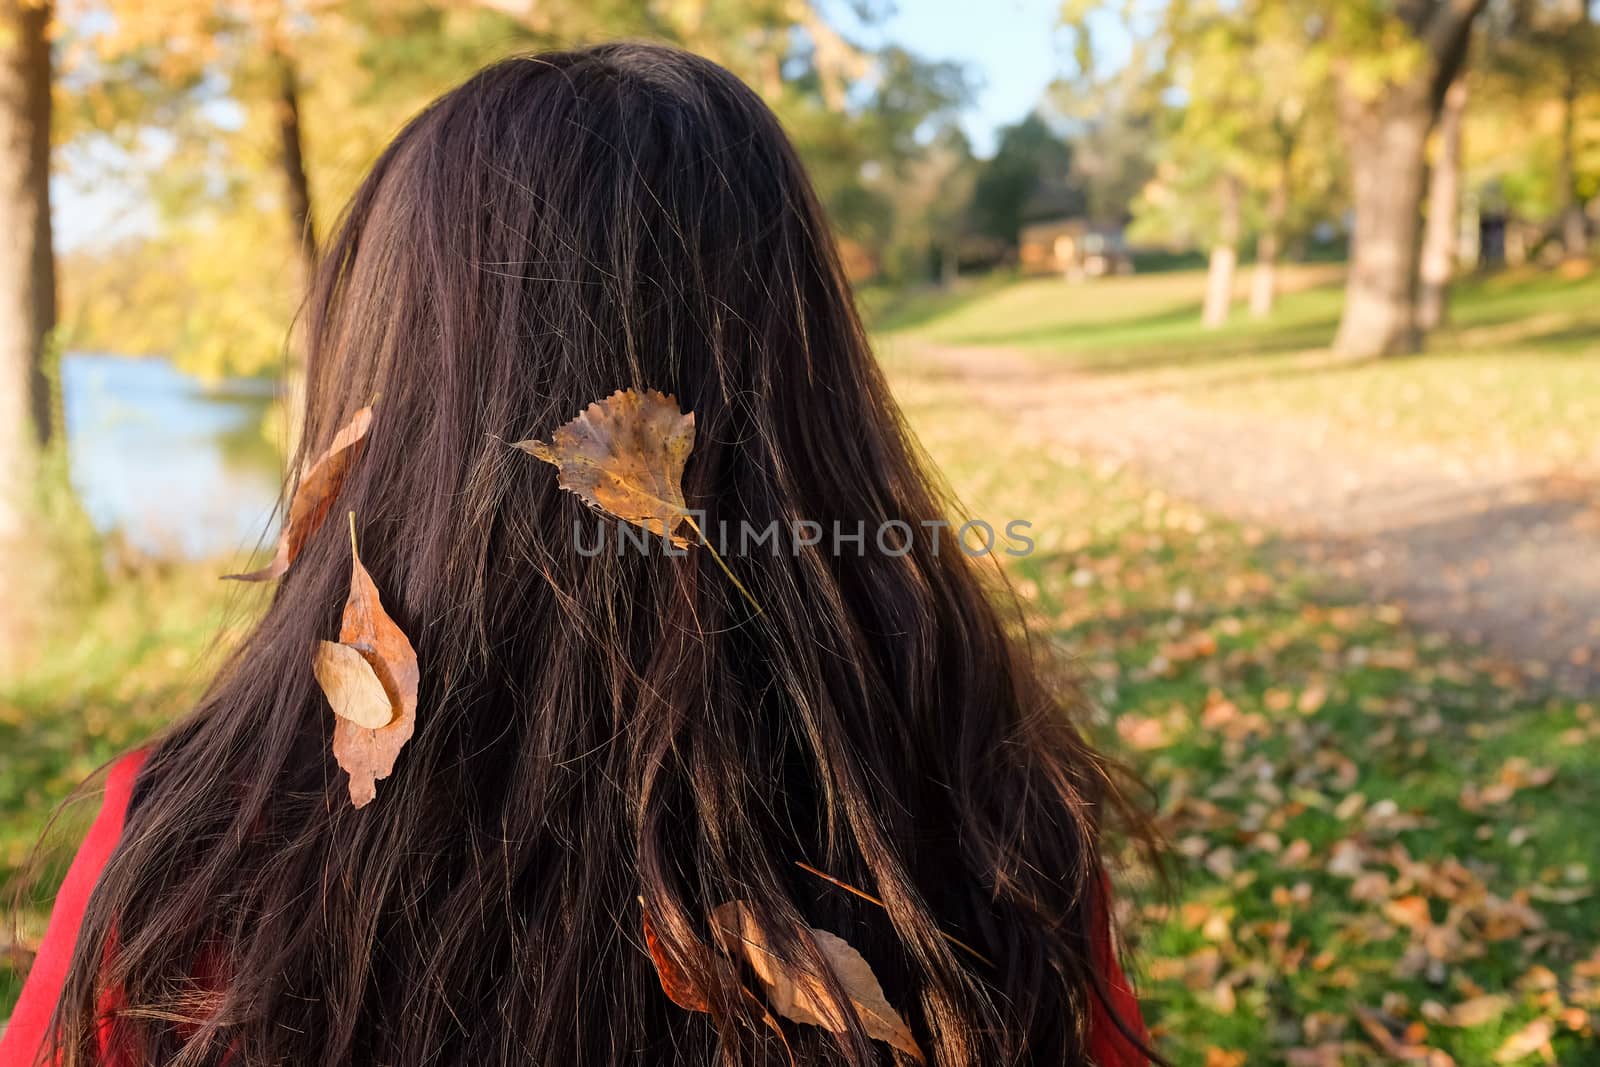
352	685
314	496
367	737
624	455
679	987
802	996
683	991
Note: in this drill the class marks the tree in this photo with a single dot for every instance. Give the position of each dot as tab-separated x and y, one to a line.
1113	117
292	153
1542	66
241	91
1579	52
1274	226
1224	256
930	193
1292	143
1250	84
1444	212
1029	159
1393	70
27	283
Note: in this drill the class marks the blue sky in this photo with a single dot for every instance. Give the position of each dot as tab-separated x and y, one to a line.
1010	46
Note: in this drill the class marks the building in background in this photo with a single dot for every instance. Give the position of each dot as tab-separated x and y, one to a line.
1073	247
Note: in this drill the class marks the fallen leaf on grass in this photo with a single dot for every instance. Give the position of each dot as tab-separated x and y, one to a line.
1531	1039
1402	1047
803	997
1478	1011
365	751
314	496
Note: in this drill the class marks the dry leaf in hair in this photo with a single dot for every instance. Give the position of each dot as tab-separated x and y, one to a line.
352	685
679	987
625	455
803	997
682	990
368	752
314	495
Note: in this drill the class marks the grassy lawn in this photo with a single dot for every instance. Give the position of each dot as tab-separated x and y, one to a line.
1382	844
108	680
1516	376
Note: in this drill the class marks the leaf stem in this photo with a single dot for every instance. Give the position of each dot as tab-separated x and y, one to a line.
354	552
864	895
721	563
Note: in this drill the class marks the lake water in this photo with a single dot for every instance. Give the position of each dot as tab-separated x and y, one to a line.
181	467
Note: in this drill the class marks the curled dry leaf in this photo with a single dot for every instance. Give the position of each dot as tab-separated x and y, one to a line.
367	752
314	496
803	997
625	456
352	685
681	989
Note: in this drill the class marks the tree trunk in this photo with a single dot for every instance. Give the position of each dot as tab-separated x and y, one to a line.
1574	227
27	292
297	189
302	222
949	265
1574	221
1385	141
1264	279
1386	136
1444	212
1224	254
1520	237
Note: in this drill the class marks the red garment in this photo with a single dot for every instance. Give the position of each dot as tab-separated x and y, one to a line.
24	1037
1108	1045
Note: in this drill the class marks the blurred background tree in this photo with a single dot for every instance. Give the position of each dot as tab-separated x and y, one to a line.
27	296
1536	120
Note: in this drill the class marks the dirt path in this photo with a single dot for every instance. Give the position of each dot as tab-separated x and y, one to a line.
1507	558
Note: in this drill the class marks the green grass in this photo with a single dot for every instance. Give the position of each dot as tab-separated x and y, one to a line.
1516	375
1319	766
109	677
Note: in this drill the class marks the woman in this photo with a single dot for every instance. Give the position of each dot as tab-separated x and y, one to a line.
615	740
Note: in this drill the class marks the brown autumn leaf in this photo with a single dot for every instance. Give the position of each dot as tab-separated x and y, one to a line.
1533	1039
314	495
681	989
1478	1011
803	997
625	456
352	685
365	752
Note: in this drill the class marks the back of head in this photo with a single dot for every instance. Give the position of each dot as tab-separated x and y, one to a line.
600	730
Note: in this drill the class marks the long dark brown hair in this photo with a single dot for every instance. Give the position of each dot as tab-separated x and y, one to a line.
600	730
